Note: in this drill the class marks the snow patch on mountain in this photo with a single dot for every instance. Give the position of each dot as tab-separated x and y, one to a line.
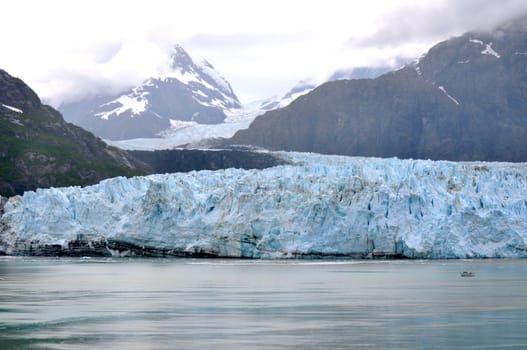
131	103
448	95
490	51
323	205
11	108
488	48
184	77
179	124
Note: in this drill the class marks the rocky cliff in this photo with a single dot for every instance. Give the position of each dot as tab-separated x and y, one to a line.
182	160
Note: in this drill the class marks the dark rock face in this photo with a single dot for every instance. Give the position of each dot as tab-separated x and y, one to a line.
101	247
171	161
466	99
39	149
191	91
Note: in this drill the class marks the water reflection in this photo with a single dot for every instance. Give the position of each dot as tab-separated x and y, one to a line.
225	304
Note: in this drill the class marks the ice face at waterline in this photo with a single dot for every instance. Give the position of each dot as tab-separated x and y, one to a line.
322	205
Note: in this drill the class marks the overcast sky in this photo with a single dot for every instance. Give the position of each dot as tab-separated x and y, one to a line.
67	49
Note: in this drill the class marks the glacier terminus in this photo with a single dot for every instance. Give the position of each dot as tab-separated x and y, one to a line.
318	206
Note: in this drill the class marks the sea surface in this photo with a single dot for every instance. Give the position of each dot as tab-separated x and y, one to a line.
243	304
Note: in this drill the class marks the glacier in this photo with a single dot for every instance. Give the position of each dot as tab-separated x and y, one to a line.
193	134
318	206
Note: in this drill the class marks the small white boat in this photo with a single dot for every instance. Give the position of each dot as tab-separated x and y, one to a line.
468	274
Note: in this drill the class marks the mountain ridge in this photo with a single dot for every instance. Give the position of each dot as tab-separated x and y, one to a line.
39	149
463	100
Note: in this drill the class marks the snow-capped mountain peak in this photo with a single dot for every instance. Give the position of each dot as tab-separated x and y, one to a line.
201	72
189	90
180	58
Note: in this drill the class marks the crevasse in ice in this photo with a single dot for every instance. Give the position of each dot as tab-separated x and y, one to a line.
322	205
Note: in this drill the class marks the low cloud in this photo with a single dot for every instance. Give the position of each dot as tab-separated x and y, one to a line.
262	48
245	40
438	21
105	69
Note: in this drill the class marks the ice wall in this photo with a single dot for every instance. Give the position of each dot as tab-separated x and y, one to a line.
324	205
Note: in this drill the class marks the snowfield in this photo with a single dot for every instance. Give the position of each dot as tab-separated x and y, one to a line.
321	206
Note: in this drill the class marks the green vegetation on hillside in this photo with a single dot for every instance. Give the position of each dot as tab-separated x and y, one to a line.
39	149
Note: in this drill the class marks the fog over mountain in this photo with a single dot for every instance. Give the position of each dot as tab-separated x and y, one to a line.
77	59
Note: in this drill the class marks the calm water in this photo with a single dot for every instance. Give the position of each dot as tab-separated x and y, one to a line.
238	304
